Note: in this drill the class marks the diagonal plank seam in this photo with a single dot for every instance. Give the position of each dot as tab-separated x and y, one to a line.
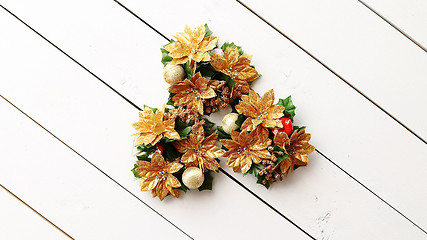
27	205
93	165
335	164
394	26
332	71
133	104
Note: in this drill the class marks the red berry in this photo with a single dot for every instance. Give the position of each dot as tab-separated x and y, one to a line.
160	147
287	126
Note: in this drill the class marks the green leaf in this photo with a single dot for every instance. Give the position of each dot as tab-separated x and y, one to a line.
207	71
143	157
207	184
255	169
134	171
188	71
169	151
209	127
289	107
147	148
240	119
184	133
170	101
178	175
222	134
208	31
232	45
298	128
165	57
154	109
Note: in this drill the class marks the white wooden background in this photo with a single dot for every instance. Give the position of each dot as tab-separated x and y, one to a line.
72	74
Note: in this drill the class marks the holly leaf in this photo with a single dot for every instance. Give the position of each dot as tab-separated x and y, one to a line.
240	119
170	101
209	127
298	128
232	45
289	107
143	157
169	151
135	166
147	148
222	134
208	32
178	175
165	54
188	71
207	184
255	169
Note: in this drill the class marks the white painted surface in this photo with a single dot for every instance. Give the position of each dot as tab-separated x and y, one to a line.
17	221
95	121
121	50
408	15
362	48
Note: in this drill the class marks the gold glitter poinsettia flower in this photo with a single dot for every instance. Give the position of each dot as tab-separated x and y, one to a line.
191	45
260	110
191	93
200	151
151	127
157	176
236	67
297	148
245	148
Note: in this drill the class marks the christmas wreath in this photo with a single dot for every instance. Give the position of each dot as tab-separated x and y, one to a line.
176	144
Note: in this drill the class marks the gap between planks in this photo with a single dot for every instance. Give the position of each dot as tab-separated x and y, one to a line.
222	171
93	165
393	25
47	220
332	71
336	74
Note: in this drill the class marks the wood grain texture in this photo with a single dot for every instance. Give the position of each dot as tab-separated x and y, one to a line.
345	127
407	15
95	122
360	47
17	221
66	189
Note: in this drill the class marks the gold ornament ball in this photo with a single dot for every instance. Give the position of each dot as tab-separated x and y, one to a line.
229	122
193	177
173	73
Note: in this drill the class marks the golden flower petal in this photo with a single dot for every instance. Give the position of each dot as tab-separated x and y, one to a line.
211	164
172	135
285	165
179	60
161	190
145	138
172	181
245	164
174	192
209	93
231	55
218	62
264	154
199	34
173	167
157	160
181	146
275	111
266	101
214	152
148	183
208	43
210	140
272	123
229	144
189	157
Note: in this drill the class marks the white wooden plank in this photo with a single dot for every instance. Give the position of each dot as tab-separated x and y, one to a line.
301	203
18	221
95	121
67	190
409	16
362	48
346	127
